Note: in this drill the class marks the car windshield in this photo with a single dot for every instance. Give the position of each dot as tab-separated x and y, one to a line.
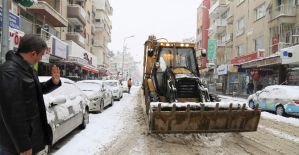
111	84
177	58
88	86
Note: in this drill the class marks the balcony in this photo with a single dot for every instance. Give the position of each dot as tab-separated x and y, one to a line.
282	14
76	14
43	10
219	25
219	7
99	26
220	43
76	37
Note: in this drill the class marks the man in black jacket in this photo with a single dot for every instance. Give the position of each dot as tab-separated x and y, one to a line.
23	120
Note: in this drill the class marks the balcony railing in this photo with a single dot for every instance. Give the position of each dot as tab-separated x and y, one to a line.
76	14
76	37
46	11
217	6
283	10
219	25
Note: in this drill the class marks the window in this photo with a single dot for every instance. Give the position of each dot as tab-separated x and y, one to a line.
240	50
240	26
258	43
260	11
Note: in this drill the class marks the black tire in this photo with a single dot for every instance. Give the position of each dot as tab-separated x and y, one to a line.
85	119
101	106
251	104
280	110
111	104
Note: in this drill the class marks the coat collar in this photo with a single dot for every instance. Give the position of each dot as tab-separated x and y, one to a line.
18	59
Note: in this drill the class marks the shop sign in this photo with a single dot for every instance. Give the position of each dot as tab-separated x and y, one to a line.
49	51
222	70
14	20
211	49
77	51
290	55
59	48
249	57
232	68
14	38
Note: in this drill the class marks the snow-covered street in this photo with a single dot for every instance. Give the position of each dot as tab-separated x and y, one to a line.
121	129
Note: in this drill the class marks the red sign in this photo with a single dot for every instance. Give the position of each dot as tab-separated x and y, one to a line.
238	60
275	41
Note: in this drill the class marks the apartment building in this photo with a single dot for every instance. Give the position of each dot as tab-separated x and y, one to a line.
202	33
249	36
102	35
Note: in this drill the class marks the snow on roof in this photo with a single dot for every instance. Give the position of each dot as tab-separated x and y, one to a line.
280	92
46	78
91	81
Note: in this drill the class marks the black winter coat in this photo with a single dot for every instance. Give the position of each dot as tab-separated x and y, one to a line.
23	119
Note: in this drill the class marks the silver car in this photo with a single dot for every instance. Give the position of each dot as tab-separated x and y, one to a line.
97	93
66	107
116	88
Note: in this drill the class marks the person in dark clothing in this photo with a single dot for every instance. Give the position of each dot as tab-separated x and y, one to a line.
129	85
250	87
23	120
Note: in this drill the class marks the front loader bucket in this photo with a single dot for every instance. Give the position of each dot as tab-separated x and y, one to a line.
203	119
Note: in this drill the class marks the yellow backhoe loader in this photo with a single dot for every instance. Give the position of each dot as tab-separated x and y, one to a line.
176	100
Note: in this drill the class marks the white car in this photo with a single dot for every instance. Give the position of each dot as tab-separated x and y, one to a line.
281	99
125	87
116	88
97	93
66	107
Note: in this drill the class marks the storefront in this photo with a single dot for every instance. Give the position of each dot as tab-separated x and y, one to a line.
81	63
56	53
265	71
290	59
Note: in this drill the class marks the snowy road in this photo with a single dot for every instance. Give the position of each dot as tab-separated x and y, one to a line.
121	129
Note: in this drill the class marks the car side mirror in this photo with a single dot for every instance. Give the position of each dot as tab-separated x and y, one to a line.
58	100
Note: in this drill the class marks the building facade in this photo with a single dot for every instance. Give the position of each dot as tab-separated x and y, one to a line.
249	37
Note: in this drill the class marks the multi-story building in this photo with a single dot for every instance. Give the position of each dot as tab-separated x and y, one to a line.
102	33
202	30
249	36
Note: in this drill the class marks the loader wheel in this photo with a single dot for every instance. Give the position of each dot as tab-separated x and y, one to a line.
251	104
280	110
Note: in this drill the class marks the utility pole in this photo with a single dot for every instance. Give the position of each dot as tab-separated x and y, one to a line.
124	49
5	30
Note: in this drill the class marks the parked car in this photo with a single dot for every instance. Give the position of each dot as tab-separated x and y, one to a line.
281	99
66	107
116	88
125	87
97	93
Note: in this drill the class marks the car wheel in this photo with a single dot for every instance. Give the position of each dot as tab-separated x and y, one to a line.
111	104
102	106
280	110
251	104
85	119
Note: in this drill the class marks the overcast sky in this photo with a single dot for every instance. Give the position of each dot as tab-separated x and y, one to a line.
171	19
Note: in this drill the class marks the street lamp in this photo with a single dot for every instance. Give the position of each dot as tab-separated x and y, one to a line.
124	48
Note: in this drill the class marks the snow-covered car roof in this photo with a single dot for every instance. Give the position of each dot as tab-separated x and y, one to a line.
280	92
46	78
111	81
91	81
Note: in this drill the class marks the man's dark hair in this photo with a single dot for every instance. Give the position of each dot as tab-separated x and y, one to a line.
31	42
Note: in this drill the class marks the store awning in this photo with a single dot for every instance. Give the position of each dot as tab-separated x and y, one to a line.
267	61
90	69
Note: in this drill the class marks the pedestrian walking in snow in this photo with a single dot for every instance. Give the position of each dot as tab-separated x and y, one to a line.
23	119
129	85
